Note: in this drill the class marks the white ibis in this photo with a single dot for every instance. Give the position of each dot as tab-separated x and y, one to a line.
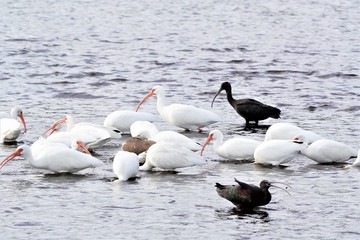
149	131
43	143
177	138
250	109
123	119
329	151
84	127
91	142
169	156
101	133
10	126
278	152
125	165
180	115
55	159
141	126
286	131
233	149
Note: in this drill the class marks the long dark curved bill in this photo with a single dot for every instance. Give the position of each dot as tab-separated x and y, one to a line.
216	96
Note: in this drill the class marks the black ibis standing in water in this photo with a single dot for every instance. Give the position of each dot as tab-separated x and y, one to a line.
245	196
250	109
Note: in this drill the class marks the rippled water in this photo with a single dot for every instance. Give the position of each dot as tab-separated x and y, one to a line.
89	58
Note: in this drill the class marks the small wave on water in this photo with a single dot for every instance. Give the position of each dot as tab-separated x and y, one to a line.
286	72
86	74
81	95
22	40
338	75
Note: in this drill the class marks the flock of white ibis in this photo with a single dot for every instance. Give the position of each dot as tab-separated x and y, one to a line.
66	149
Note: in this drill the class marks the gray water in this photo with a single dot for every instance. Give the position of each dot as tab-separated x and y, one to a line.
89	58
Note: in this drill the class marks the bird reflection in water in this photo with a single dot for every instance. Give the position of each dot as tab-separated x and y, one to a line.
254	214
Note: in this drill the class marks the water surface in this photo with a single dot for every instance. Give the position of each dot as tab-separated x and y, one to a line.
89	58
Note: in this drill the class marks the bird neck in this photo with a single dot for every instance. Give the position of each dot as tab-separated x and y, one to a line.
218	142
13	114
229	95
267	196
70	123
161	102
28	156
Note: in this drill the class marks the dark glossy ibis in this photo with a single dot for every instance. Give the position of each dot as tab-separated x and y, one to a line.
245	196
250	109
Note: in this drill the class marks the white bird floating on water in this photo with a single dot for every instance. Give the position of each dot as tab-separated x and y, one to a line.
125	165
232	149
329	151
143	126
10	128
278	152
180	115
150	131
286	131
91	142
43	143
169	156
94	135
123	119
55	159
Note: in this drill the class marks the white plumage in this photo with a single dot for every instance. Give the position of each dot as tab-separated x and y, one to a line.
10	127
286	131
123	119
180	115
170	156
233	149
278	152
125	165
55	159
329	151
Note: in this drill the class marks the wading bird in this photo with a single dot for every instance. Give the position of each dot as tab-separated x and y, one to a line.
245	196
55	159
122	119
250	109
170	156
125	165
181	115
10	126
286	131
327	151
233	149
278	152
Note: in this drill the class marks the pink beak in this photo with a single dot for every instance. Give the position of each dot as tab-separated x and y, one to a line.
152	91
23	122
82	147
11	156
55	124
209	138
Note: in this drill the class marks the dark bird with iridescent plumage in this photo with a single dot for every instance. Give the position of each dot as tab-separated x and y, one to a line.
246	196
250	109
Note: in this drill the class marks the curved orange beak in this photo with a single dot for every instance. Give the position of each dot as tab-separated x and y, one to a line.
55	124
209	138
81	145
21	116
152	92
11	156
